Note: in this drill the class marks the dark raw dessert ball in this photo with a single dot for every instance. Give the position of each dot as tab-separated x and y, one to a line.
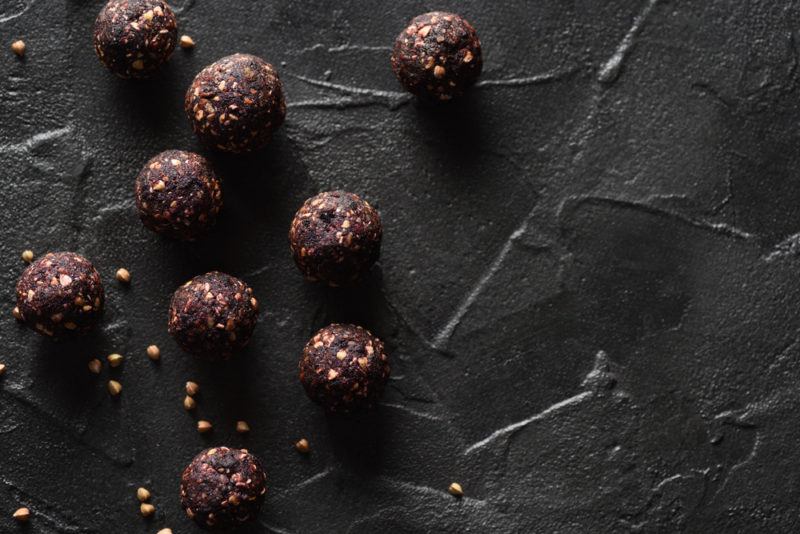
438	55
335	237
60	294
213	315
134	37
223	487
178	195
236	103
344	368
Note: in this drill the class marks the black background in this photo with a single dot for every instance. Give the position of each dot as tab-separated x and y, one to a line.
588	282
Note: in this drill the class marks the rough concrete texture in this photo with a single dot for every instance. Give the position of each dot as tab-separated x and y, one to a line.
588	282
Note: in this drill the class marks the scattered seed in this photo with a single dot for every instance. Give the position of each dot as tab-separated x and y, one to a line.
27	256
2	369
95	366
143	494
189	403
147	509
242	427
192	388
22	515
115	360
154	353
203	427
302	446
123	275
455	489
187	42
18	47
114	387
165	531
16	313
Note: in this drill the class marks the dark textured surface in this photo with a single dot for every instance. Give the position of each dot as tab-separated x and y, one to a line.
588	280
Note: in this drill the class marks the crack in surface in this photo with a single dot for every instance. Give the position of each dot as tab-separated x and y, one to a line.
611	69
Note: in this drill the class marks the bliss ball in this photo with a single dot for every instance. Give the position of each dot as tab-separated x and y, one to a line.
344	368
178	195
437	56
60	294
236	103
134	37
335	237
213	315
223	487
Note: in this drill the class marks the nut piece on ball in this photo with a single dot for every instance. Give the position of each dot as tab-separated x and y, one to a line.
236	103
344	368
178	195
133	38
213	315
223	487
335	237
60	294
437	56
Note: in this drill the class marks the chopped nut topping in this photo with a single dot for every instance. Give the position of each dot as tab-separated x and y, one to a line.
95	366
147	509
114	387
143	494
455	489
22	515
154	353
18	47
438	71
186	42
192	388
242	427
123	275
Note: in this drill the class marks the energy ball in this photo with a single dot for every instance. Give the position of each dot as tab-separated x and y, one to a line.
437	56
60	294
213	315
335	237
223	487
178	195
236	103
344	368
134	37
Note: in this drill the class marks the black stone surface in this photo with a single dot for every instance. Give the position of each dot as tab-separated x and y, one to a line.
588	280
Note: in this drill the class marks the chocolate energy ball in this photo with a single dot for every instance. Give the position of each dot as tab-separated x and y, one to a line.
178	195
236	103
438	56
335	237
344	368
223	487
134	37
60	294
213	315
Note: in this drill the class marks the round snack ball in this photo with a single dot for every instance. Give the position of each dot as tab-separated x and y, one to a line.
236	103
60	294
223	487
438	56
344	368
335	237
178	195
213	315
134	37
